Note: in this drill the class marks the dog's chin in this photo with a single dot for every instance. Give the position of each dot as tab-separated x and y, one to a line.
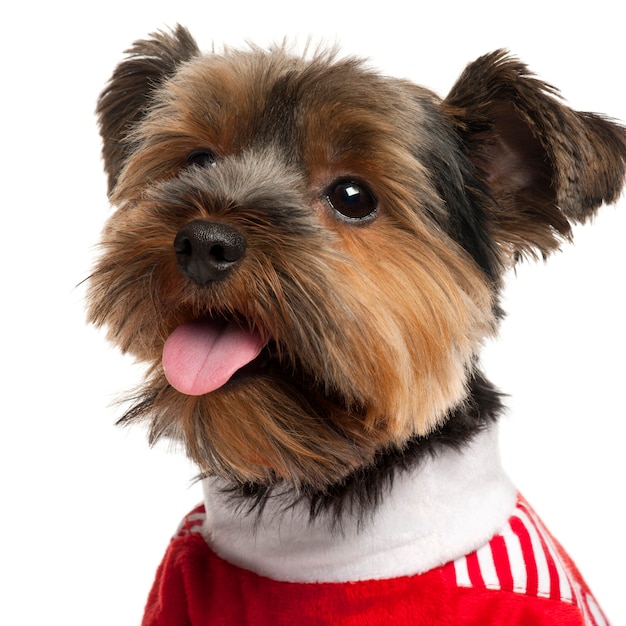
272	422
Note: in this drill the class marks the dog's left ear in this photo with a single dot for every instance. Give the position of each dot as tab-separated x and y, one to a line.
128	93
545	165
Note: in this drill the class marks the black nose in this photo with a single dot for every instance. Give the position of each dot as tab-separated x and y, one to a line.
207	251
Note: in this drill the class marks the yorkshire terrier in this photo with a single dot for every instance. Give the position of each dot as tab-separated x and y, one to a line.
308	256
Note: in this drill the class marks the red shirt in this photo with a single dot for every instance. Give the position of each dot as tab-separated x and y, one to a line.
521	577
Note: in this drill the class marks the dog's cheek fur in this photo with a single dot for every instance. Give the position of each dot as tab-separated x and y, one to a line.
421	357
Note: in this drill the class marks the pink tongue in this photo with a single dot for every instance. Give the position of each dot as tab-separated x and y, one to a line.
200	357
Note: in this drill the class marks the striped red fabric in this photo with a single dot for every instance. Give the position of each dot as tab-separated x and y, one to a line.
192	523
524	558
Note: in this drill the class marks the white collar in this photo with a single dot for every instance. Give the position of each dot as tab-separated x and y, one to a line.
445	508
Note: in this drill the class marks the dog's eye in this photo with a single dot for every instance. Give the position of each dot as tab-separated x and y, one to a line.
352	200
202	158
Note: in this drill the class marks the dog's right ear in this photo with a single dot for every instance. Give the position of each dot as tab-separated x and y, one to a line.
127	95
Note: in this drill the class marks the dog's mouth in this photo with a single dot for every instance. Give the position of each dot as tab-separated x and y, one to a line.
201	356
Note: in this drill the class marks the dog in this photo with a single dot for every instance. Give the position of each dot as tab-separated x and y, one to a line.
308	256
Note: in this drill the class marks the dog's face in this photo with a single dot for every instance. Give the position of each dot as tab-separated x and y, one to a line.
308	254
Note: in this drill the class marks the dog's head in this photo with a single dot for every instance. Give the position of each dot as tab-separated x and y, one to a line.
308	254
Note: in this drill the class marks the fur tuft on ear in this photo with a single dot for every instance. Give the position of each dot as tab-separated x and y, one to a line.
544	164
125	98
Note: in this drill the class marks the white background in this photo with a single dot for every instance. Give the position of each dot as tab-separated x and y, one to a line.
87	508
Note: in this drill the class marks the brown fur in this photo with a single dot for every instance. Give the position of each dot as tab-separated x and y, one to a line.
375	326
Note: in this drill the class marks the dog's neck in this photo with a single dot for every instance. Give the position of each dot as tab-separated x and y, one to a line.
445	507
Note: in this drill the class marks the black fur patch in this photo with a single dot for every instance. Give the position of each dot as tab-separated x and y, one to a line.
360	493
